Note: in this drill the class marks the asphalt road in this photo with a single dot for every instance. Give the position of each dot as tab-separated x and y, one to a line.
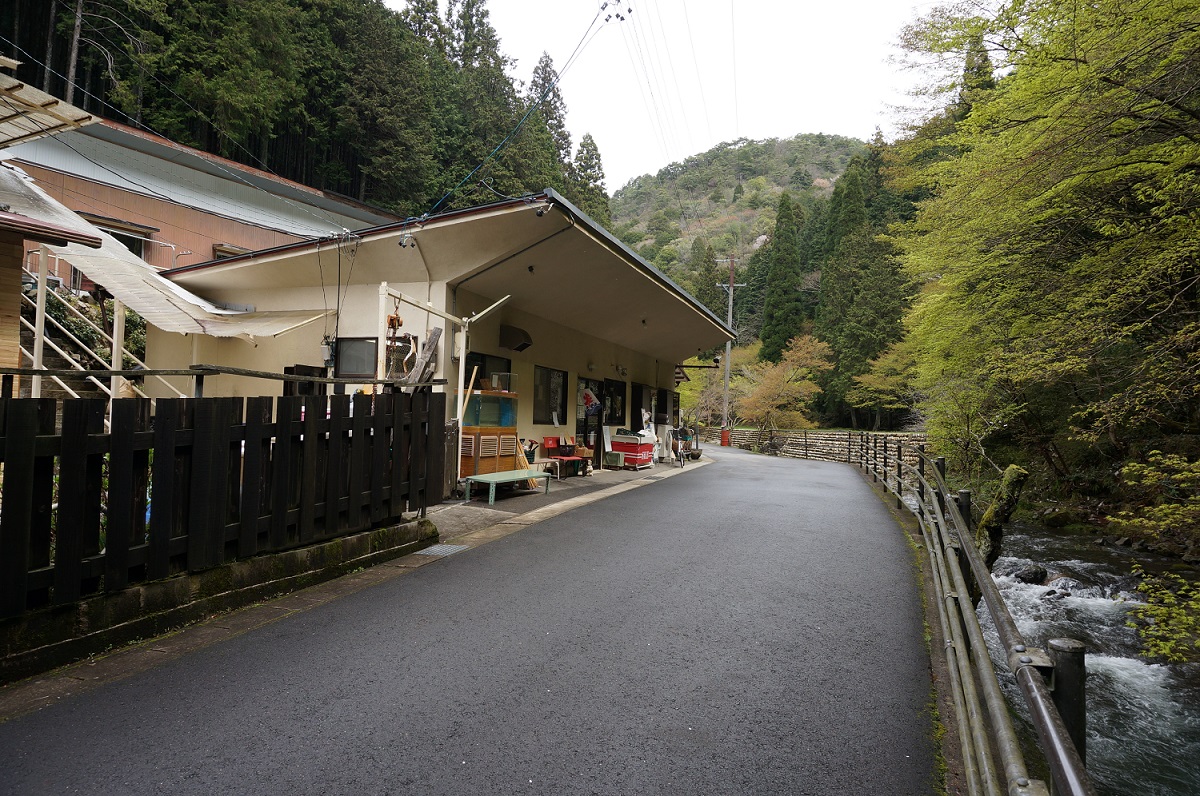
751	626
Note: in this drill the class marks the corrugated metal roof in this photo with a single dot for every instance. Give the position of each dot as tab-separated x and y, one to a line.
27	113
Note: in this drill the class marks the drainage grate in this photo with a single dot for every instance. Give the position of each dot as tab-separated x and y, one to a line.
653	477
443	549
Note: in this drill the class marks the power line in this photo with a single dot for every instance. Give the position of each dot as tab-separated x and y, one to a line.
737	125
696	66
533	106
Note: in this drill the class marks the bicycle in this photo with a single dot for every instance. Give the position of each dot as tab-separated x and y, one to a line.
681	443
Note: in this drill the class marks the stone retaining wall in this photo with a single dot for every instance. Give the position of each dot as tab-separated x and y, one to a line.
49	637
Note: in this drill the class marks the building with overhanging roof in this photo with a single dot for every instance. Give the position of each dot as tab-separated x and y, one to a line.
244	269
577	310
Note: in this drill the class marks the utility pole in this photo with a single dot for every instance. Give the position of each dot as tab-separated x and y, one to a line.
728	347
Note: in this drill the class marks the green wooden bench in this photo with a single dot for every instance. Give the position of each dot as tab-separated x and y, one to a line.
507	477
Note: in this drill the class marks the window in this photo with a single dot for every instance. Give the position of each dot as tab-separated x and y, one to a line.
222	251
354	358
549	396
486	365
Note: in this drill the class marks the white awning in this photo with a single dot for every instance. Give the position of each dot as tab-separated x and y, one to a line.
161	302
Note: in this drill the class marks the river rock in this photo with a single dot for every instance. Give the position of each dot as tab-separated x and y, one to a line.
1031	573
1060	518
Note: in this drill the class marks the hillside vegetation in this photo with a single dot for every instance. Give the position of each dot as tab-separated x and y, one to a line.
726	196
413	111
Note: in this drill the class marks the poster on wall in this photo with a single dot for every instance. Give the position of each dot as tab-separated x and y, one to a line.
587	402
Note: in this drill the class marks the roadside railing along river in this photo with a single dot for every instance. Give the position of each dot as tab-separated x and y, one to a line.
1051	681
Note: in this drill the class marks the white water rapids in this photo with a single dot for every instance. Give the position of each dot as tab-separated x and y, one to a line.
1143	717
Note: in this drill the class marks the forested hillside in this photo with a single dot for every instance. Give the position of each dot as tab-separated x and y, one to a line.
396	109
801	219
725	197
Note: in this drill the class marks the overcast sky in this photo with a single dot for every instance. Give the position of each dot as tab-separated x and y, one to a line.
673	80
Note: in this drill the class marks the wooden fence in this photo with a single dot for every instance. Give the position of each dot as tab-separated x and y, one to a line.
853	447
206	481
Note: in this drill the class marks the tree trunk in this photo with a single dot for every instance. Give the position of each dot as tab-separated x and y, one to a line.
74	59
16	30
48	64
990	533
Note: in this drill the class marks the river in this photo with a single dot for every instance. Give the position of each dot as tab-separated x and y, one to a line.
1143	717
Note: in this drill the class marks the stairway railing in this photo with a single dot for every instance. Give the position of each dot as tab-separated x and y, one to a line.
83	347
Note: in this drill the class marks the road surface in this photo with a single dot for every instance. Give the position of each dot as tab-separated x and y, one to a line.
750	626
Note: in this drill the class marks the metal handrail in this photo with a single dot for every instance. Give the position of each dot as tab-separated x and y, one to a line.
81	372
946	531
124	351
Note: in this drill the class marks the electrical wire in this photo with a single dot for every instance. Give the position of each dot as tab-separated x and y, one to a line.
696	66
737	125
648	98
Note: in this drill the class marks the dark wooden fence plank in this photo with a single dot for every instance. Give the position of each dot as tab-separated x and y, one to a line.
206	510
120	495
255	453
414	455
400	464
360	450
380	450
79	420
41	524
163	492
283	472
435	451
20	433
222	480
314	411
41	528
143	443
335	463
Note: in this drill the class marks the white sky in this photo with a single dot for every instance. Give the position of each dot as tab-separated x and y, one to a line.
673	80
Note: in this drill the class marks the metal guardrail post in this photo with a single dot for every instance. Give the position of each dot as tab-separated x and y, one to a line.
874	458
920	480
953	557
1069	688
885	467
940	465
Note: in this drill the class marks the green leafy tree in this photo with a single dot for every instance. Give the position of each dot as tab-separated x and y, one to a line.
1057	251
587	182
781	394
887	386
783	317
708	276
543	90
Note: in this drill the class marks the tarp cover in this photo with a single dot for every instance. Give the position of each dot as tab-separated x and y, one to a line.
138	286
26	113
